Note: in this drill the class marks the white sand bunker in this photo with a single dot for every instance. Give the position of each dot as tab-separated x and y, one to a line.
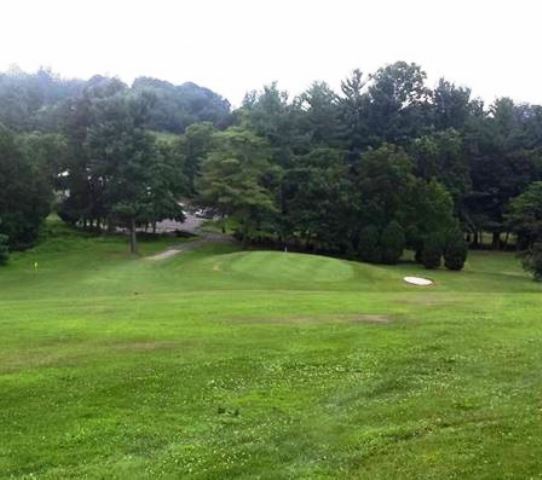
418	281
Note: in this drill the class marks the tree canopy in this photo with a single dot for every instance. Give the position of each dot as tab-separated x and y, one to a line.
387	162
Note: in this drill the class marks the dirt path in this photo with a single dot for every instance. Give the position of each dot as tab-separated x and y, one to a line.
205	239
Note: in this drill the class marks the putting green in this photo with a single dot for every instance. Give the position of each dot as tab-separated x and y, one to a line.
294	267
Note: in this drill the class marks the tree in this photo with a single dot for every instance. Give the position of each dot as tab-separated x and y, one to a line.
233	180
392	242
315	200
175	107
4	249
525	218
525	214
192	148
399	107
320	105
384	180
353	111
25	191
270	115
431	256
501	167
138	182
428	211
167	184
532	260
455	251
451	105
440	156
369	245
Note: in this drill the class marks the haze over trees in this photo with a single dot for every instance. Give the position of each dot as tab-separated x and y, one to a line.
386	163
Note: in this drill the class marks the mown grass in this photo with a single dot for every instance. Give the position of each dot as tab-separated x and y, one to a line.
220	364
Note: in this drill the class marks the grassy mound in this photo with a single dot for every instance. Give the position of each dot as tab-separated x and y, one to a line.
291	267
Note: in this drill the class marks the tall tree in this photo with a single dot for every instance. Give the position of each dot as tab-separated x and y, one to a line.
399	103
25	190
353	112
233	180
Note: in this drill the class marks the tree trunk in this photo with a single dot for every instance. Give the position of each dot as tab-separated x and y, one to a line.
475	239
154	226
133	237
496	242
244	233
506	238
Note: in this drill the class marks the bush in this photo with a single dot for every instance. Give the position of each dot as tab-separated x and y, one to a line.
532	261
4	249
455	253
369	248
432	252
392	242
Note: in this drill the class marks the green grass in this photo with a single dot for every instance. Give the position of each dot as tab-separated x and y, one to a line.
222	364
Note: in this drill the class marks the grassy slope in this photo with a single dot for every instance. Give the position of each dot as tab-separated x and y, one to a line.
220	364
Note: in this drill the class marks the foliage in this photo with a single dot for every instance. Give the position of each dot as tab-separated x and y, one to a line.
525	215
532	260
174	107
233	180
4	249
431	256
117	173
455	251
392	242
369	245
314	206
525	218
385	147
192	148
429	211
384	181
25	188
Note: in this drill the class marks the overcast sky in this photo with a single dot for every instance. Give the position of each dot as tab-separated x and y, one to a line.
232	46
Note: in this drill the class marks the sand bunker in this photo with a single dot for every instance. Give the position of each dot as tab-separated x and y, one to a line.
423	282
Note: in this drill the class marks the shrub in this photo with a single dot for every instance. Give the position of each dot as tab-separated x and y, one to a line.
392	242
455	253
369	248
4	249
432	252
532	261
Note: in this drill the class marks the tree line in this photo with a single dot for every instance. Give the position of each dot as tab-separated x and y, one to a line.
386	163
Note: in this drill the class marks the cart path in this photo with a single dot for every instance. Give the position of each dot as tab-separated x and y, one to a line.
205	239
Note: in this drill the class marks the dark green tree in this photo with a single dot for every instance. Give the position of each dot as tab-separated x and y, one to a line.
384	179
428	211
353	109
25	190
455	250
451	106
392	242
4	249
525	218
399	104
316	204
431	256
320	121
369	245
192	149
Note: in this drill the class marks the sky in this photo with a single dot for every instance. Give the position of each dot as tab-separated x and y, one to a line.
233	46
